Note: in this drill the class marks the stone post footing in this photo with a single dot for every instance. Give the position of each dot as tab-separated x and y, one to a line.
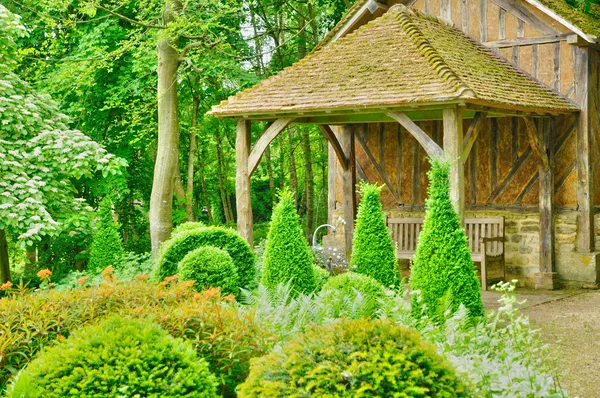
546	281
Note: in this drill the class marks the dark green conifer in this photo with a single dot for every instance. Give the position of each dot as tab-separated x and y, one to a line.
107	248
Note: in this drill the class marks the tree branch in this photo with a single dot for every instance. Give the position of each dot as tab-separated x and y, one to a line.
132	21
197	44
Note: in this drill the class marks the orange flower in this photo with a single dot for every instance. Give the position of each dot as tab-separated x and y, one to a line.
43	274
82	280
186	284
170	279
141	277
6	286
108	270
60	337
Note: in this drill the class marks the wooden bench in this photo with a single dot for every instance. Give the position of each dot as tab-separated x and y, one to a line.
484	235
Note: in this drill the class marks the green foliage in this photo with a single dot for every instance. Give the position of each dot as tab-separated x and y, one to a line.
175	249
287	256
209	267
187	226
106	248
349	285
224	335
354	358
321	277
118	357
373	251
442	262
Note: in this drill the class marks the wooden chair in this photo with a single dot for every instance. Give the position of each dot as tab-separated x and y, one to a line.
484	235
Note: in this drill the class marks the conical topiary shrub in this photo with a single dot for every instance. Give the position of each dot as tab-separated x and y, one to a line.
106	249
287	256
442	263
373	251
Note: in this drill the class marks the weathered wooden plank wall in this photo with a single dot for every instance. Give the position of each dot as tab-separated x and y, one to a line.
501	169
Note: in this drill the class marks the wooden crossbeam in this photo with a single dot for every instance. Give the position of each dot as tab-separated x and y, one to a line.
552	38
433	150
265	139
522	13
472	133
536	143
335	143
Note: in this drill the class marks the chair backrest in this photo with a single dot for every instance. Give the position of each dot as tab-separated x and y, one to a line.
487	230
405	232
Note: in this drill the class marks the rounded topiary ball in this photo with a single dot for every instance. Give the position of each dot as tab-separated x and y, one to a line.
119	357
180	244
354	358
347	286
187	226
209	267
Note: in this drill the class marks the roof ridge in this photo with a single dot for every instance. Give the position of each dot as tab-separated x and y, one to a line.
427	50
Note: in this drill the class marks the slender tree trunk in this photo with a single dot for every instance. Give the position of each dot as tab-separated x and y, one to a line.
281	162
161	198
220	174
270	172
309	187
31	254
191	156
4	261
205	197
293	173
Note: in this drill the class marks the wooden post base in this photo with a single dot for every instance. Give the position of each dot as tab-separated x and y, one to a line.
546	281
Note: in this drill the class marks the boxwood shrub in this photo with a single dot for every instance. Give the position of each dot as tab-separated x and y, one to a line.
321	277
187	226
175	249
373	251
354	358
106	248
287	255
209	267
347	286
118	357
442	263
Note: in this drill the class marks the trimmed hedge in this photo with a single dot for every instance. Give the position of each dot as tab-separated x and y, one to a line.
117	357
354	358
187	226
373	251
287	255
175	249
348	285
209	267
106	248
442	262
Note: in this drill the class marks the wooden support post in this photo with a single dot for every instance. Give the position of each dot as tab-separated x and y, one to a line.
453	148
585	76
331	179
242	182
546	278
349	185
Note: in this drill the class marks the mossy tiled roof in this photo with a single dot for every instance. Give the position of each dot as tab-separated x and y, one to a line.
398	60
586	20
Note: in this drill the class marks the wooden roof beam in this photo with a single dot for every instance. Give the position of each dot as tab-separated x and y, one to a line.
371	6
272	131
472	133
335	143
433	150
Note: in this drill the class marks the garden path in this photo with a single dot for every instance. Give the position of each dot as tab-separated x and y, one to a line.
570	323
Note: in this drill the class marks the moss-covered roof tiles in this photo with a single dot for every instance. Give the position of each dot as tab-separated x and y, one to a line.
586	20
398	60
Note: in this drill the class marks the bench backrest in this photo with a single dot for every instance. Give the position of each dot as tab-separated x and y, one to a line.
405	234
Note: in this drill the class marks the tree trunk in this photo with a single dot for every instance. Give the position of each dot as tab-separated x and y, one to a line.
293	173
281	162
4	262
205	197
31	254
270	173
191	156
309	187
220	171
161	198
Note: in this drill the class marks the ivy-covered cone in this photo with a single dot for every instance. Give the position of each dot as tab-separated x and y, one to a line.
210	267
120	357
373	251
442	262
287	256
106	249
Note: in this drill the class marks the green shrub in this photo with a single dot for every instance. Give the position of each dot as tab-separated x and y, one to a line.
353	358
175	249
209	267
106	249
117	357
373	251
321	277
349	285
442	262
287	255
187	226
223	334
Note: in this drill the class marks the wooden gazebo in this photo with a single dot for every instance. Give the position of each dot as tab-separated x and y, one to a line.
386	78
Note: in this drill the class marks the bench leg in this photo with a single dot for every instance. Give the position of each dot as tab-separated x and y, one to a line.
484	286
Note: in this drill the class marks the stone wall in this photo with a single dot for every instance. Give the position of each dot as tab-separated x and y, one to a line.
521	250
